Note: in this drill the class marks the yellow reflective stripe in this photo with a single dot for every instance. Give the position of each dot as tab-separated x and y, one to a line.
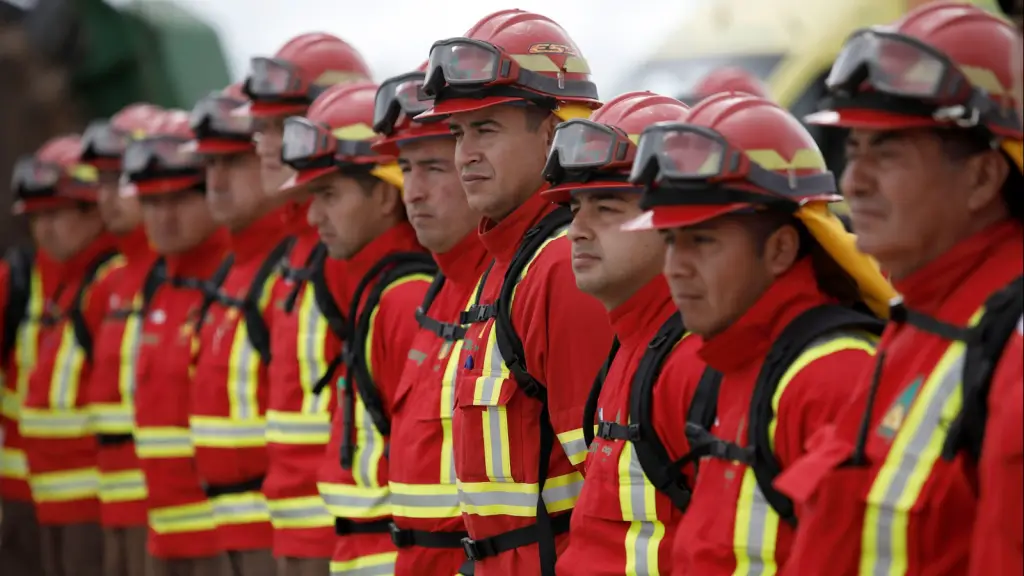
382	564
447	410
757	523
222	432
122	486
574	445
26	353
111	418
10	404
48	423
907	467
348	501
425	500
295	428
519	499
130	341
65	485
178	519
298	513
243	375
312	357
164	442
637	499
243	508
13	464
67	370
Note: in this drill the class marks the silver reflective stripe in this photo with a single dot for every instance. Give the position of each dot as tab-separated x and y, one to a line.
298	513
71	356
297	428
232	430
638	501
521	499
367	465
227	509
759	511
573	448
312	346
428	501
244	374
111	485
128	382
888	508
382	570
350	501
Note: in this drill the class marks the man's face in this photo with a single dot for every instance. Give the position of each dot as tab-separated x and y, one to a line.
609	263
905	195
500	154
176	223
121	214
716	272
273	172
234	189
433	196
66	231
344	214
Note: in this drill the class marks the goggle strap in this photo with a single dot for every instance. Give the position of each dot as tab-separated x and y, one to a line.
796	186
153	172
701	194
477	93
205	132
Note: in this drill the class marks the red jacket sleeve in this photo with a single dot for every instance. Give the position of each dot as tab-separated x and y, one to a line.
998	544
566	338
393	332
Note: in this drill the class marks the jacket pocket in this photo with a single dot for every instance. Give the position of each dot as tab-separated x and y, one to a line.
487	428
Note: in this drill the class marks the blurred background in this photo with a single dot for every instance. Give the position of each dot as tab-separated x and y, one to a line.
65	62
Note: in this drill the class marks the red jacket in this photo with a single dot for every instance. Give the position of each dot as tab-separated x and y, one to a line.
729	527
361	494
16	370
299	421
122	489
181	521
422	472
59	442
622	524
906	510
566	338
229	393
998	546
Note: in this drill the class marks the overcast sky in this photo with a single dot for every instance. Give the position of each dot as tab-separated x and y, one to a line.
395	35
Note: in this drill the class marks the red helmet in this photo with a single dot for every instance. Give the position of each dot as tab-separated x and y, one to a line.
301	69
726	80
217	129
599	152
53	177
396	105
734	152
944	64
335	135
104	141
509	56
160	163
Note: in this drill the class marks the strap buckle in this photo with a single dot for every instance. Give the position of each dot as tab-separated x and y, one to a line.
475	550
449	331
400	538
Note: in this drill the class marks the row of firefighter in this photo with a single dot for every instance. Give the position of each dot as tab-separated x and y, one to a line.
471	320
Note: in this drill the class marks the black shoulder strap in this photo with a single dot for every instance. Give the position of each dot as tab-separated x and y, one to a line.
20	263
75	314
450	331
985	344
299	276
704	404
211	290
812	325
590	408
325	302
650	452
509	343
155	278
255	324
386	272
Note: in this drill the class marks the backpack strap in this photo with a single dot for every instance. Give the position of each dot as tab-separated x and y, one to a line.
985	345
650	451
445	330
20	264
210	289
75	315
299	276
155	278
386	272
812	325
590	408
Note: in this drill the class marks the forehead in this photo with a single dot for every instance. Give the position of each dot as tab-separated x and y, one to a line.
421	149
501	114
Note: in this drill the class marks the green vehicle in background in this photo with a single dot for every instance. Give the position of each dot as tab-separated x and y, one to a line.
788	44
66	62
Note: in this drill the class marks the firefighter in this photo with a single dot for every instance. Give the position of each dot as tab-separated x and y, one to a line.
772	283
228	398
502	88
169	184
59	443
357	210
933	179
122	487
998	543
28	280
304	339
427	522
622	524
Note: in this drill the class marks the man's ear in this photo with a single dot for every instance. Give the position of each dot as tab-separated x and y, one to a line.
781	250
989	171
548	126
387	196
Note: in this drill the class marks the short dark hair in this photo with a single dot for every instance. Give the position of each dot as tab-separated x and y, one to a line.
535	117
959	145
